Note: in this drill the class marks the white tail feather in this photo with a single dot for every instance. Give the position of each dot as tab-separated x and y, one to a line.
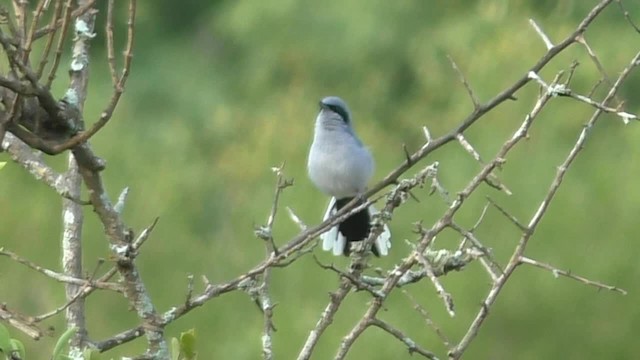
331	238
383	241
334	241
339	243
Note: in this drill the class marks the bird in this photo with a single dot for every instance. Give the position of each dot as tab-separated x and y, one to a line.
340	166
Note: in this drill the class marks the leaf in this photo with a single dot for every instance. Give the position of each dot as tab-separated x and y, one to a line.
5	340
2	164
18	346
62	342
91	354
188	344
175	349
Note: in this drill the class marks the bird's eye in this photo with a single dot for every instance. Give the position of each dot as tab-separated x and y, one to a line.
340	111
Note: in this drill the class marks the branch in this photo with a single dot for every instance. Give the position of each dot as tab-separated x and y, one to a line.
72	221
558	272
456	352
71	300
72	213
413	347
62	278
153	323
20	322
627	16
326	318
263	296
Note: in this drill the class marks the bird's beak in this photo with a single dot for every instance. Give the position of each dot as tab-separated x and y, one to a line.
322	105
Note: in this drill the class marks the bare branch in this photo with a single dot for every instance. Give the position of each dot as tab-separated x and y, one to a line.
111	58
76	297
65	20
423	261
558	272
296	219
472	95
411	344
456	351
20	322
81	10
467	146
627	16
72	221
442	262
512	218
543	36
57	13
263	294
326	319
25	157
58	276
26	50
427	318
442	293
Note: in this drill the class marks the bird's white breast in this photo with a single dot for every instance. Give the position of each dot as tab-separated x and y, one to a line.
339	165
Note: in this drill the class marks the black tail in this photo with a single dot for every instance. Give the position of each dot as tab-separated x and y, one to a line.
356	227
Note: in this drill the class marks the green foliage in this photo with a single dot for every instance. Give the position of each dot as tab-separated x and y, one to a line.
208	110
185	347
91	354
18	347
13	349
10	348
61	344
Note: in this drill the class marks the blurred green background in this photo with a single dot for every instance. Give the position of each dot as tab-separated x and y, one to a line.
221	91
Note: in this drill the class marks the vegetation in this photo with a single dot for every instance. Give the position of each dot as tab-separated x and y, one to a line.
221	92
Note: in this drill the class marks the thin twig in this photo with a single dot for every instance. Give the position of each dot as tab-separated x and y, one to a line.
543	36
627	16
57	54
32	29
111	58
76	297
326	318
465	82
515	260
558	272
20	322
58	276
57	13
511	218
442	293
411	344
264	296
427	317
81	10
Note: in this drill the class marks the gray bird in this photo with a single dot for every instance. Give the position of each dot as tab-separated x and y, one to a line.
340	166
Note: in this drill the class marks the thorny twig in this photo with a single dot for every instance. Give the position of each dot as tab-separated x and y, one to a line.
394	277
263	296
558	272
516	258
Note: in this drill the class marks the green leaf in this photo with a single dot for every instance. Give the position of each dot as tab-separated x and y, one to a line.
91	354
175	349
62	342
18	346
5	340
2	164
188	344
